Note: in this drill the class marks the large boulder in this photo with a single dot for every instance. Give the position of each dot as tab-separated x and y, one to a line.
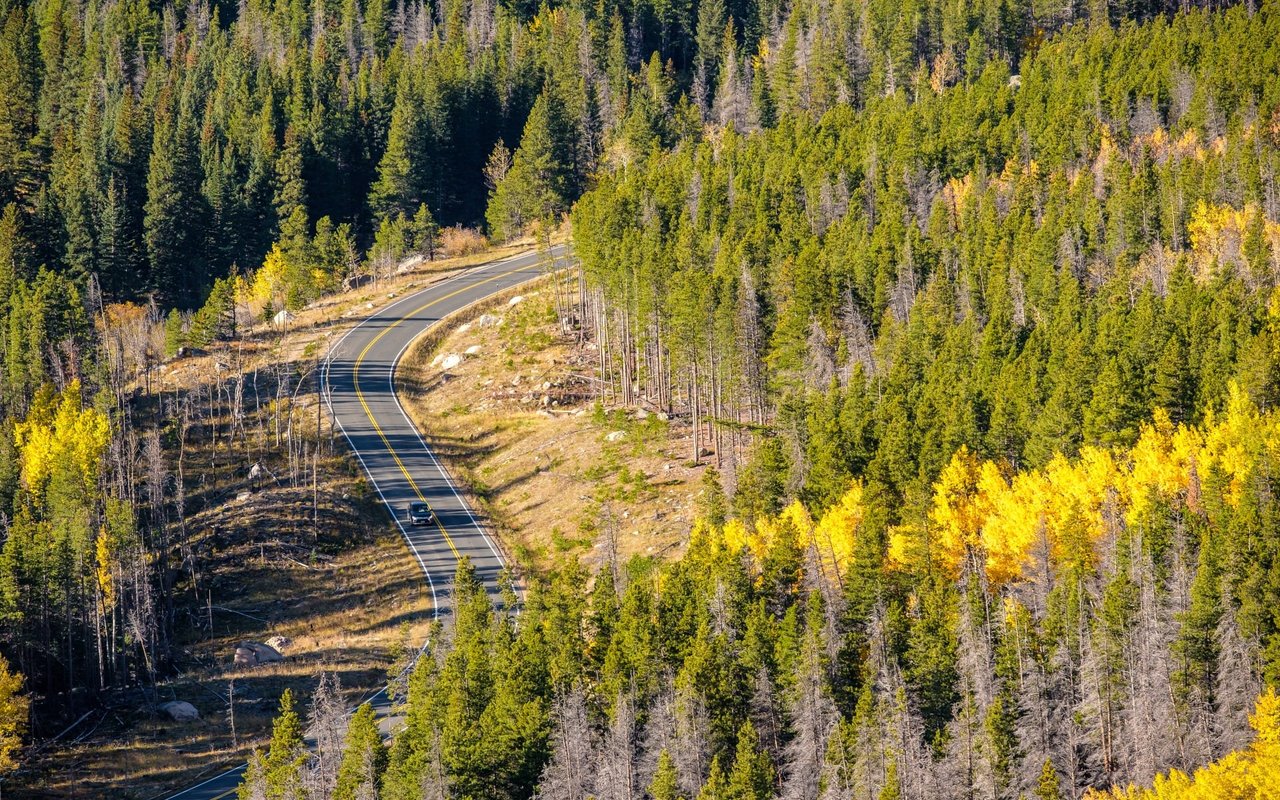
180	711
279	643
252	654
355	281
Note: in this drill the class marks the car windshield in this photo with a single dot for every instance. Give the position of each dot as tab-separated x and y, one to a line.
419	508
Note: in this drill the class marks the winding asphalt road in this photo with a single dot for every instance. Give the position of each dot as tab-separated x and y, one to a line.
359	378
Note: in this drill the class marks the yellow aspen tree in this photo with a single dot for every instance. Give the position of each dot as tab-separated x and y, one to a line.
835	533
14	706
956	517
70	444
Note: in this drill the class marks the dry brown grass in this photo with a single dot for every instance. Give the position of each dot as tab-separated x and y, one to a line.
517	422
459	241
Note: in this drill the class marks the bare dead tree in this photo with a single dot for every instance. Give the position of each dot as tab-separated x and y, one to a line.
691	746
1237	684
327	727
231	713
618	759
434	781
568	774
765	713
813	716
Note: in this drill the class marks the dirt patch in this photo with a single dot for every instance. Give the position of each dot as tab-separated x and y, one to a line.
508	402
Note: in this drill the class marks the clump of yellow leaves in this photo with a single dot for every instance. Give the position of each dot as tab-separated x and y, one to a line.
1007	520
62	440
1252	774
976	509
271	280
1217	233
831	538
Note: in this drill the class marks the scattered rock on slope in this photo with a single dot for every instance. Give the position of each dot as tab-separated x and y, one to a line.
180	711
252	654
279	643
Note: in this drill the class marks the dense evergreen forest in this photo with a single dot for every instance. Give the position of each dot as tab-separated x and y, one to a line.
987	351
973	306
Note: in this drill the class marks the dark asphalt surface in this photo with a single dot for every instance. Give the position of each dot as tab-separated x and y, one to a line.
359	383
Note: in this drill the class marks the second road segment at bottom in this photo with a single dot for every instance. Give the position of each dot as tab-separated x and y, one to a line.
359	387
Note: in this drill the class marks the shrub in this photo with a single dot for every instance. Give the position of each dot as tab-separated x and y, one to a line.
460	241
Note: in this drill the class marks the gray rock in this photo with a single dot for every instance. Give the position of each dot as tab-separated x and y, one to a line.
252	654
180	711
279	643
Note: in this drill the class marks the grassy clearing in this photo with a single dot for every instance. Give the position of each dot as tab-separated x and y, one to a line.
518	423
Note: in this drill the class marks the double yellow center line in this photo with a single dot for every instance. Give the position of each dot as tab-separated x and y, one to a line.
355	379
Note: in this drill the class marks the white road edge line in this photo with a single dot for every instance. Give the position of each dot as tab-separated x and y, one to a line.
391	383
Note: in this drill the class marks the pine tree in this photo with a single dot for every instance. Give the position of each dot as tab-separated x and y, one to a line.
1048	787
117	251
665	784
19	100
426	232
291	196
174	214
13	257
282	767
753	776
400	187
364	758
892	788
540	183
716	786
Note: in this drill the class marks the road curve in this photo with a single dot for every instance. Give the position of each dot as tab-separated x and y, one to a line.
358	382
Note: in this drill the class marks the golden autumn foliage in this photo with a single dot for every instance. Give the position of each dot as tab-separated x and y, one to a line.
1252	774
103	569
64	440
1073	501
835	533
1006	521
1217	234
271	279
831	538
13	716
